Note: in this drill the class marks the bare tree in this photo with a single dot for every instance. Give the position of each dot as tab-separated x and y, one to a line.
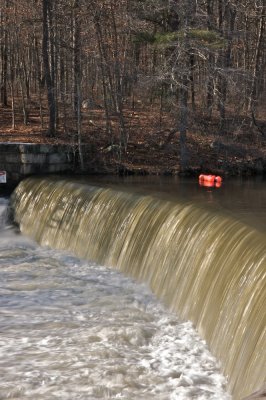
48	70
77	75
4	51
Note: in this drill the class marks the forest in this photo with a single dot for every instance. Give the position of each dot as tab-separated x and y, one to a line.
158	86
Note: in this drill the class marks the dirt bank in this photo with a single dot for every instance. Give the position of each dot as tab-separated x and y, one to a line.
153	143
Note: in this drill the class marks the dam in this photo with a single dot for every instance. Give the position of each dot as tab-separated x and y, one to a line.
206	266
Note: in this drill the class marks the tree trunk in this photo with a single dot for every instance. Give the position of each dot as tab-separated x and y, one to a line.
211	61
183	120
39	77
258	60
4	56
104	83
47	69
225	65
184	85
118	93
191	78
12	88
77	77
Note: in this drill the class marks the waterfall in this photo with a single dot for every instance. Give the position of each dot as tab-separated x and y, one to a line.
4	212
207	267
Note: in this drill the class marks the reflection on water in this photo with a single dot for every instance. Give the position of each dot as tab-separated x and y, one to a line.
74	330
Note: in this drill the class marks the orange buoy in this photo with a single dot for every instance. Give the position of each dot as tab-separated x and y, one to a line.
210	180
218	179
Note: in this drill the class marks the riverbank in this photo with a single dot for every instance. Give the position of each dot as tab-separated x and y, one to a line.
153	143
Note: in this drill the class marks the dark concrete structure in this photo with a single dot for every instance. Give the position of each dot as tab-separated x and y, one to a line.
23	159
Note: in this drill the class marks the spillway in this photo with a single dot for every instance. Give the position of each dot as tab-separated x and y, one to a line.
206	266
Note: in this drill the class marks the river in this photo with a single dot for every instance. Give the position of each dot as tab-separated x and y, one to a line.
73	328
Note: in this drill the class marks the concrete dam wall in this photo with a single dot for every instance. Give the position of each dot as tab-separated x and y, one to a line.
23	159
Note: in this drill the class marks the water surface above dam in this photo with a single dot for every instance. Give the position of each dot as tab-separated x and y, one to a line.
243	198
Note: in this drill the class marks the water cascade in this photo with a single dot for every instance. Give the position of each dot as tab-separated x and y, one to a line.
207	267
3	212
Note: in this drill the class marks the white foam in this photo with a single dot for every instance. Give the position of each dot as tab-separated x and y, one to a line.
73	330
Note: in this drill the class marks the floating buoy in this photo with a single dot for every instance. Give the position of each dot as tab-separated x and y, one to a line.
210	180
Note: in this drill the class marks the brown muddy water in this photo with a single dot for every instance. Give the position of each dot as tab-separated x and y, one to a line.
133	289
